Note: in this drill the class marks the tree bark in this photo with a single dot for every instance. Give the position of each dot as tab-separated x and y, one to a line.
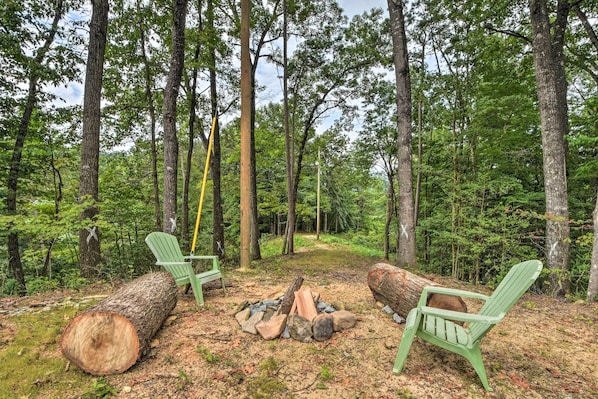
401	290
14	254
406	240
152	113
113	335
218	219
289	296
552	100
192	91
289	140
89	235
245	255
171	91
593	284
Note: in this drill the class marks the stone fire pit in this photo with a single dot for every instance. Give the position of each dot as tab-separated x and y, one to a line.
298	314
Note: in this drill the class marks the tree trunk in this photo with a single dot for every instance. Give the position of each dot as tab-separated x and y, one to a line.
191	137
245	225
171	91
14	254
289	140
401	290
593	284
152	112
218	219
390	211
406	240
552	99
89	235
113	335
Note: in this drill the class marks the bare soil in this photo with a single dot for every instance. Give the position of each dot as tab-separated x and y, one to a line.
544	348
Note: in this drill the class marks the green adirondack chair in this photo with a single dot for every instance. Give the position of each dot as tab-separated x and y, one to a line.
435	325
165	248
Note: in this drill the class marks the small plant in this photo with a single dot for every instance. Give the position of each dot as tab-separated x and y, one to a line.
269	366
182	381
405	394
267	385
326	374
207	355
100	389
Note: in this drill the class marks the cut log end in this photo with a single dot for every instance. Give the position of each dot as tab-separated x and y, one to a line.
109	337
101	343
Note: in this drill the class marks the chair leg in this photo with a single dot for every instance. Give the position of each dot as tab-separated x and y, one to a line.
197	291
223	287
475	358
406	340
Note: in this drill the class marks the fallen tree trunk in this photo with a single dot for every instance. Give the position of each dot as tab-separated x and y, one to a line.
109	337
401	290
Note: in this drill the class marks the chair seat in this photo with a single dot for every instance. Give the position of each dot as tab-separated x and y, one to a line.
446	330
210	275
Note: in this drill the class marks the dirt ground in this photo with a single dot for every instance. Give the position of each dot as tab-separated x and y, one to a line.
544	348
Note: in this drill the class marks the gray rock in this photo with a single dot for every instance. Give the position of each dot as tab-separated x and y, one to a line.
249	325
300	328
323	327
243	315
271	303
387	309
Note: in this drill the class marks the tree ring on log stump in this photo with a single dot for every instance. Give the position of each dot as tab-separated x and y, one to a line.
98	342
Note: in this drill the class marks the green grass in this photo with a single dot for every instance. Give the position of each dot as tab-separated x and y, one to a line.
358	244
32	363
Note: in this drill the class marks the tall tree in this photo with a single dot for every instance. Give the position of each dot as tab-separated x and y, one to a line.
406	235
377	144
35	72
245	256
548	40
289	140
320	82
171	91
593	284
265	22
191	89
149	94
89	235
216	160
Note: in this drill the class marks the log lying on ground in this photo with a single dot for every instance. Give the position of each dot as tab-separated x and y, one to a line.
109	337
401	290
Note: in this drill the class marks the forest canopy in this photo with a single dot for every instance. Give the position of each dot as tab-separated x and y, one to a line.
323	106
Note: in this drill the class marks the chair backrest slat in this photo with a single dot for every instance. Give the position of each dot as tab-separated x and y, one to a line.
165	247
512	287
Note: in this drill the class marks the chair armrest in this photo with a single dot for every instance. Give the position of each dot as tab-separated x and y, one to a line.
200	257
432	289
214	258
459	316
170	263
